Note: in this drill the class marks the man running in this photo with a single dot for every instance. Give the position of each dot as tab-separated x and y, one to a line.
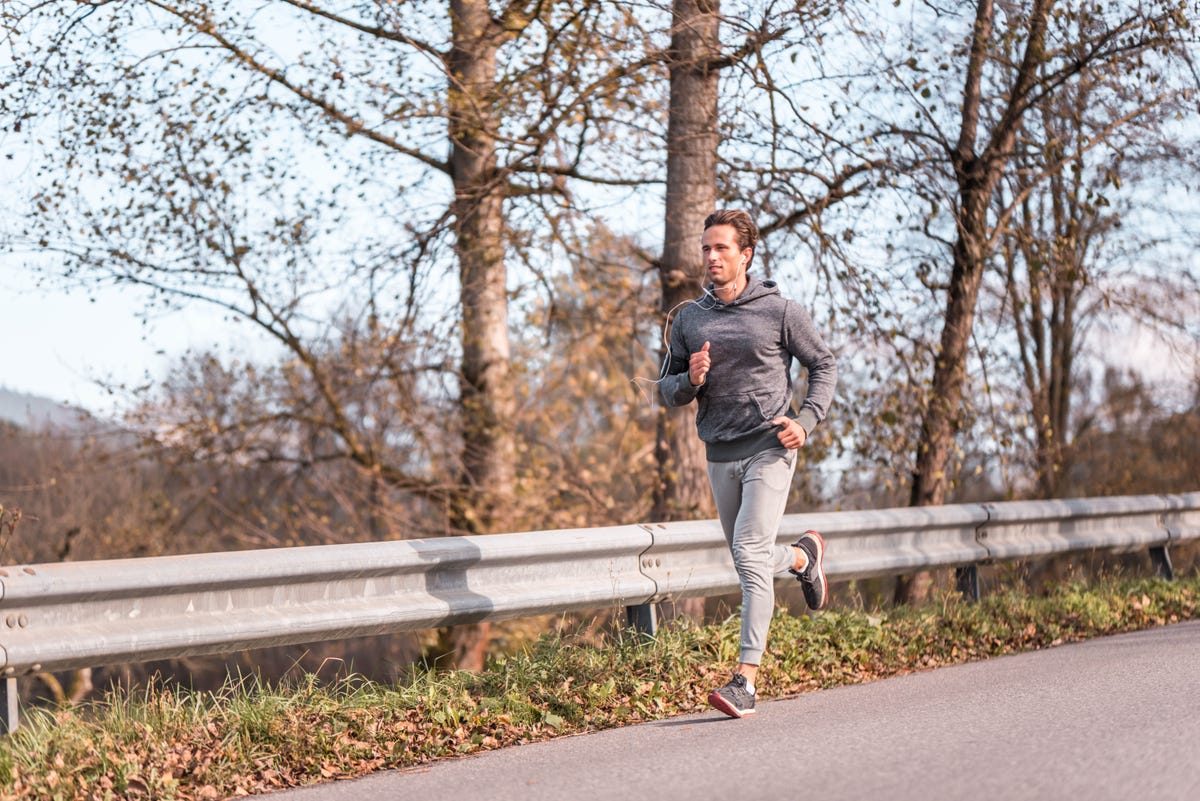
732	352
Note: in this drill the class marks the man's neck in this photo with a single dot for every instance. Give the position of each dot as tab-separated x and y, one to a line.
730	292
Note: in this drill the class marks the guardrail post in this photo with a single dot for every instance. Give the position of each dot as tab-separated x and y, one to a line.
643	619
966	579
8	705
1161	559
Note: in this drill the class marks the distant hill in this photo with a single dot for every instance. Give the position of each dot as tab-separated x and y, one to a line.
32	411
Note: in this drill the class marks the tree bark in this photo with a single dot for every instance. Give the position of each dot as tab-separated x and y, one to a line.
486	393
682	490
1046	321
977	174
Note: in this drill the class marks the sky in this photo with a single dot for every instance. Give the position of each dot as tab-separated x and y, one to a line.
64	345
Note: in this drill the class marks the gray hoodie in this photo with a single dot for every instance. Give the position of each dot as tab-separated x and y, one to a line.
752	341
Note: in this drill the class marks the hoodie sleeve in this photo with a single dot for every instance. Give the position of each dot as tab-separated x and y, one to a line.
675	386
804	342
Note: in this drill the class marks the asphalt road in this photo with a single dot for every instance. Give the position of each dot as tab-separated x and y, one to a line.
1114	718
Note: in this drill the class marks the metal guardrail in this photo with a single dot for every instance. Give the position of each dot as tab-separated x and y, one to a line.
84	614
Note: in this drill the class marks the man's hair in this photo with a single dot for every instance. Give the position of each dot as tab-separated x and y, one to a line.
747	231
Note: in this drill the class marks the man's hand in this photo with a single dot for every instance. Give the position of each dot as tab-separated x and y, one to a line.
698	365
792	434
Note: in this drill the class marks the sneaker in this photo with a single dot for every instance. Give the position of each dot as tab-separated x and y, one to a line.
733	699
812	577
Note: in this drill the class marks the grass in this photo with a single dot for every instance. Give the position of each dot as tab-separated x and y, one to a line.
165	743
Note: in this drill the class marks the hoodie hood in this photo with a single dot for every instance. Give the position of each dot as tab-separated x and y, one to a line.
754	290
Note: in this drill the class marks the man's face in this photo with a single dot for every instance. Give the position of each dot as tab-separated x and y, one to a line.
723	260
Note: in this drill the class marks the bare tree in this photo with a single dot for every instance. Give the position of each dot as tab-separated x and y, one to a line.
1087	248
1015	57
435	118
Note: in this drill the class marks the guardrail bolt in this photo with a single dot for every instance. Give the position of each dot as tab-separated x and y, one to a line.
11	621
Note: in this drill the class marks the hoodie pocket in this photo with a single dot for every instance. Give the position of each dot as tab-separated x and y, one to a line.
720	418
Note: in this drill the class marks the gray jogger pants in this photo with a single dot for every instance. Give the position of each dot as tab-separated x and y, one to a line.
751	494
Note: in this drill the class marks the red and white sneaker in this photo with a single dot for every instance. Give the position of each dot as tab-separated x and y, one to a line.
734	699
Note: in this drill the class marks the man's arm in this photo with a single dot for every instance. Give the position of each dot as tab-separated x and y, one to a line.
804	342
685	371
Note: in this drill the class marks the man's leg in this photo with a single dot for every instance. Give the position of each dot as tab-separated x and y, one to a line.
751	495
765	485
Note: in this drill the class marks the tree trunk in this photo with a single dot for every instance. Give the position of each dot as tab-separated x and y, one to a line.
1063	276
977	176
486	393
682	490
942	419
943	414
1054	251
